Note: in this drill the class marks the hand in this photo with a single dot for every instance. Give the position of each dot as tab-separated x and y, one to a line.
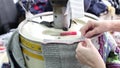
93	28
86	53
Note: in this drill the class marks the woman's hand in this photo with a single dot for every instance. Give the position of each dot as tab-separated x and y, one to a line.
86	53
93	28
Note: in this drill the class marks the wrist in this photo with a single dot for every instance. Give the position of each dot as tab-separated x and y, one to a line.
109	26
99	63
114	25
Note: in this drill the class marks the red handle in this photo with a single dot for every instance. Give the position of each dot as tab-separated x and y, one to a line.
68	33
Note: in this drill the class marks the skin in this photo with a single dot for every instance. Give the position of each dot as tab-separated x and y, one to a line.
86	53
93	28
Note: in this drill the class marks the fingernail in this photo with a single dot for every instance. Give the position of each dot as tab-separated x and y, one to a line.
83	43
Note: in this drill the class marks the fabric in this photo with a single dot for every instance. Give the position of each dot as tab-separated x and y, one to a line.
97	7
14	52
102	44
17	61
37	6
66	60
87	4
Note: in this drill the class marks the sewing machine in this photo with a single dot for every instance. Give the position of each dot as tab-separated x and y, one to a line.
48	47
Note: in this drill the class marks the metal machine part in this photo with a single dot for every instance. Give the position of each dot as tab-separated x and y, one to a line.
63	12
61	19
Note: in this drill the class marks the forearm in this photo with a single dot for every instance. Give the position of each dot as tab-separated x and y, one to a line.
115	25
99	63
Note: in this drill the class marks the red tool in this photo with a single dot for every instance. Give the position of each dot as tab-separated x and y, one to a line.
68	33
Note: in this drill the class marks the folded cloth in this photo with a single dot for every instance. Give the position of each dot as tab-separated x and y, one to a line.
97	8
14	51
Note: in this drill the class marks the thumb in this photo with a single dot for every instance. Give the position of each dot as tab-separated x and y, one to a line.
81	46
88	43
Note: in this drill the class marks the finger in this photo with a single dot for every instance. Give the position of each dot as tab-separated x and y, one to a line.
83	44
76	56
78	47
79	58
85	28
81	47
92	33
88	43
